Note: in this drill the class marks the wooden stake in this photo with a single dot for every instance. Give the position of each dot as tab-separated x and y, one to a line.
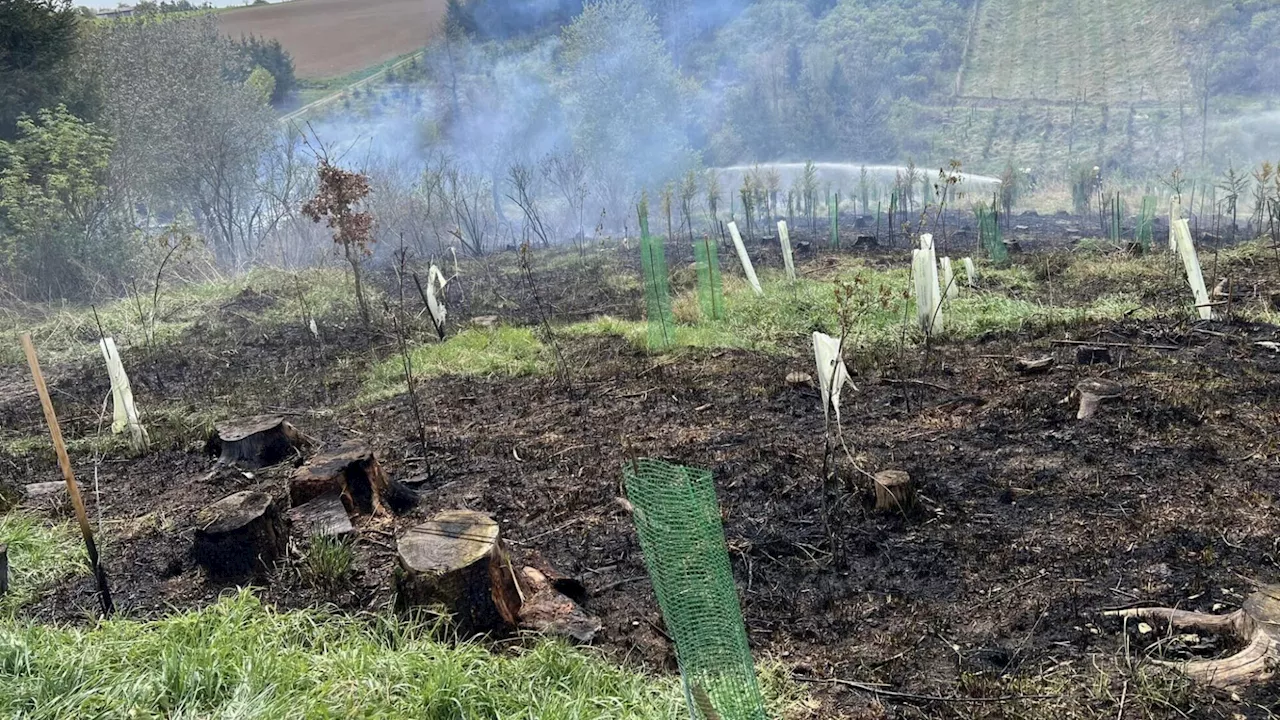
55	432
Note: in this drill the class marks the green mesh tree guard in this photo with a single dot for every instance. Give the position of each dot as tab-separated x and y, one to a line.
1146	221
678	521
1116	206
833	209
657	290
706	256
989	234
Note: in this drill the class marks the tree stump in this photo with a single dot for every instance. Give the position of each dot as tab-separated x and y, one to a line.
895	491
865	242
456	560
4	569
1095	391
325	515
255	442
1257	622
352	471
240	535
554	608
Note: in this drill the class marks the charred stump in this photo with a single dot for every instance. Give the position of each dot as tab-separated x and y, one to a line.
255	442
554	607
1256	623
352	472
240	535
456	560
895	492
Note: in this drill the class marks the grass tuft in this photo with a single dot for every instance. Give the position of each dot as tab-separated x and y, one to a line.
496	352
40	554
329	563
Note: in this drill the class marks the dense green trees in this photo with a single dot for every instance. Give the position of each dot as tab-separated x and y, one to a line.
1242	41
37	41
272	57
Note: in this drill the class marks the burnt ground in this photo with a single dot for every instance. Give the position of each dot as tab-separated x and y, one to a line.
1032	522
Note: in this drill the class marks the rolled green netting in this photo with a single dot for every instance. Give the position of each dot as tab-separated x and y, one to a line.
1146	222
706	256
678	521
657	290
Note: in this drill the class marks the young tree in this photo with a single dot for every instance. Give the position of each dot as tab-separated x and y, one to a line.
54	203
336	199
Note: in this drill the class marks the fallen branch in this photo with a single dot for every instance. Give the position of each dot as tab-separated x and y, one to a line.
1115	345
894	694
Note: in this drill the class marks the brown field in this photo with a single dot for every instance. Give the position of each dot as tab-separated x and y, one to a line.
330	38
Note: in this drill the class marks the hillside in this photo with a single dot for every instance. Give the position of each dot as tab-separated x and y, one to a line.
330	38
1117	51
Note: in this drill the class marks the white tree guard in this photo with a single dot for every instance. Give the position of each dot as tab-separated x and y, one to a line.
1175	214
950	288
744	258
971	272
1181	231
832	373
924	271
784	237
435	305
125	414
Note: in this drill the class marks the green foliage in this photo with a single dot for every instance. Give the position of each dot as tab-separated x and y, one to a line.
1242	41
262	83
37	38
53	201
269	55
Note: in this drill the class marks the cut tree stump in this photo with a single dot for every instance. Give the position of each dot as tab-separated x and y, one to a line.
1094	392
456	560
240	535
325	515
895	491
352	471
553	607
4	569
1034	366
255	442
1257	623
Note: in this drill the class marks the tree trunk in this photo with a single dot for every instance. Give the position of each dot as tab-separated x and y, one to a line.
456	560
240	535
352	471
354	259
895	492
255	442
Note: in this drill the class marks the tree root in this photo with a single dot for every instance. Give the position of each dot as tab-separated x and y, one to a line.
1257	621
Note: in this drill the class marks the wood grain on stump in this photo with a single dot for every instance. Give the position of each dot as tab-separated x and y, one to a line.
1256	623
352	471
240	535
895	492
456	560
325	515
255	442
4	569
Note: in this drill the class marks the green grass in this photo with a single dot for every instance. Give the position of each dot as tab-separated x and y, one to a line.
502	352
788	313
69	332
39	554
328	564
240	659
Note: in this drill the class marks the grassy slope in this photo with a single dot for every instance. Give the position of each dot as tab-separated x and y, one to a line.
1117	51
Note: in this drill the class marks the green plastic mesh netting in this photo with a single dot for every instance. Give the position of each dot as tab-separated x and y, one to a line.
989	233
657	291
710	291
678	521
833	210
